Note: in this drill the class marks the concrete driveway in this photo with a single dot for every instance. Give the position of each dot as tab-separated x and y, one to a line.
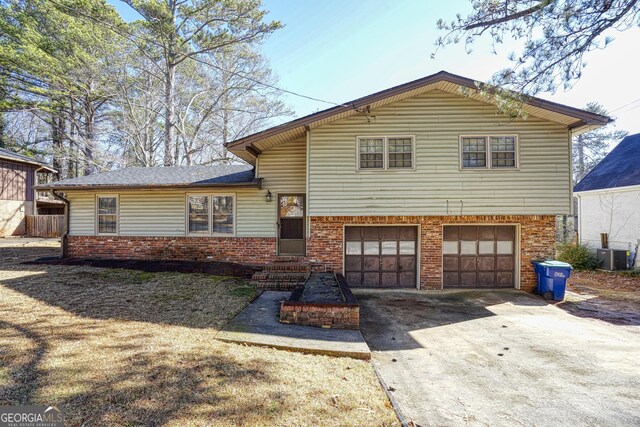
500	358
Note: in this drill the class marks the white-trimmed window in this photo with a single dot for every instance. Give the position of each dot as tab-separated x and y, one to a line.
107	214
211	215
385	152
489	152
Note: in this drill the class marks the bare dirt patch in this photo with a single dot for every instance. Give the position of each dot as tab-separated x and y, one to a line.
123	347
610	296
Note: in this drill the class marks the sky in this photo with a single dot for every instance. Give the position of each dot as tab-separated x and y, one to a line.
339	50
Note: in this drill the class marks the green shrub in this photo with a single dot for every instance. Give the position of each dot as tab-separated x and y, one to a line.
579	255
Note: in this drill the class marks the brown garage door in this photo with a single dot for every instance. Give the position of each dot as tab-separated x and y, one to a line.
478	256
381	256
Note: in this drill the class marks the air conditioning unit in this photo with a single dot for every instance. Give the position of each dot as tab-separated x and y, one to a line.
613	259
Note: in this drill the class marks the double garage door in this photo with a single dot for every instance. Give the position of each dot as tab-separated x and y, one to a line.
473	256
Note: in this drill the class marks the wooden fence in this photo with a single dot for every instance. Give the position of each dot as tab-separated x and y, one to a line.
45	225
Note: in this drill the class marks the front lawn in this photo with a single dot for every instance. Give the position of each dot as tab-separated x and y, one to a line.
121	347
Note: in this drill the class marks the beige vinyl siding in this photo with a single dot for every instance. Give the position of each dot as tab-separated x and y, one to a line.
283	168
152	213
437	186
82	215
163	212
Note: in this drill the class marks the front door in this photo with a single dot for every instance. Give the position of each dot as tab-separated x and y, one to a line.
291	211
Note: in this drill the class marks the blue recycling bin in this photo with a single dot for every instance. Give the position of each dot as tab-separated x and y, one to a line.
552	278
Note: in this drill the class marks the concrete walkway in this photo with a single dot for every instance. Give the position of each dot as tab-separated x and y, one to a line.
258	324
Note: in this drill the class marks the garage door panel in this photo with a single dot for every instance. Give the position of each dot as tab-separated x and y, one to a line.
407	263
370	263
450	263
486	279
450	233
486	263
389	233
381	256
389	279
371	233
505	279
504	263
389	263
408	233
353	233
486	233
353	263
505	233
371	280
407	279
468	233
468	280
468	263
450	279
354	279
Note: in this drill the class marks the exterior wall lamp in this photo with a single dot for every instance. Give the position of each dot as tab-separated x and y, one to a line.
269	197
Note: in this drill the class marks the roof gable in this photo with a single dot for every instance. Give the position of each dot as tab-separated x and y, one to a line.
248	148
620	168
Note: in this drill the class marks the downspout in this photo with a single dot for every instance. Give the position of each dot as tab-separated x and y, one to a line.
67	215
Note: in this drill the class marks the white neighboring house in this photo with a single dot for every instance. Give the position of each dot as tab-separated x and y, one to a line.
609	199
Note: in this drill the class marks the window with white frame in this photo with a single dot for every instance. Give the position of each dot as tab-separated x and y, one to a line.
386	152
492	152
211	214
107	214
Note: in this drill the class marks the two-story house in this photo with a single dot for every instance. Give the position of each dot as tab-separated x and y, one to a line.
18	175
421	185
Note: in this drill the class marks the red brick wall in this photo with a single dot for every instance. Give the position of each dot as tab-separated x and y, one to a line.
320	315
247	250
537	240
324	247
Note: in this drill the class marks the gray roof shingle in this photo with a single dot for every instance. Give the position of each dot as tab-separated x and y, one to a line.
10	155
175	176
620	168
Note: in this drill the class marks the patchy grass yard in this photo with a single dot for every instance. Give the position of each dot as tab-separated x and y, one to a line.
608	295
121	347
614	285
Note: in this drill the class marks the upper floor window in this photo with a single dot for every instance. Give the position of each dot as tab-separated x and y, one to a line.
211	215
493	152
386	152
107	214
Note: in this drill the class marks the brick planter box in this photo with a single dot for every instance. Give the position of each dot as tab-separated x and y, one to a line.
338	315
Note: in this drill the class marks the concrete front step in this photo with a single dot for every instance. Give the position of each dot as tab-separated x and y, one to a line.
279	280
283	266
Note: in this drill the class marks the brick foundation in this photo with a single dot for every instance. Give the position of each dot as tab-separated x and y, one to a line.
244	250
324	247
537	240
